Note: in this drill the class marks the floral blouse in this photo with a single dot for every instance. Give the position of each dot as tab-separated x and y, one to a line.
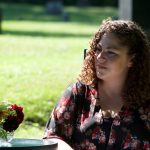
78	120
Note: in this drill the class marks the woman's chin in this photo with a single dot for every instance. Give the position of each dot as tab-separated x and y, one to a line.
100	75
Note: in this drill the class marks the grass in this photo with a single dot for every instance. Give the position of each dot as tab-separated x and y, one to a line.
40	55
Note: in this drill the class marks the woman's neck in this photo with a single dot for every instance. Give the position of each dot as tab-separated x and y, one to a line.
110	94
111	88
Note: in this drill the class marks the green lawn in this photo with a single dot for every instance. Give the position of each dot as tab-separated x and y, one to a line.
40	55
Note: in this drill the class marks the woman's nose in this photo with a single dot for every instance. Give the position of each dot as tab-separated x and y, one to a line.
101	57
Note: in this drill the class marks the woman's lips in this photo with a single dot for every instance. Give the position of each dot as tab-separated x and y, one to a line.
101	66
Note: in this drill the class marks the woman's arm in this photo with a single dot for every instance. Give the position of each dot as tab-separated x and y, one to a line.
60	125
61	144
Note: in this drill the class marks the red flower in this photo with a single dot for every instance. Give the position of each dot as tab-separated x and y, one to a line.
20	115
15	107
12	122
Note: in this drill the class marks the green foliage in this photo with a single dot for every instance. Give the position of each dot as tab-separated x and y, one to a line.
113	3
40	55
3	134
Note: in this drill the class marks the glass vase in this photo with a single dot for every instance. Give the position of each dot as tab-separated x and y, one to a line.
6	138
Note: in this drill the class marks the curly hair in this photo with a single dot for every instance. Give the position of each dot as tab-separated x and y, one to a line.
136	90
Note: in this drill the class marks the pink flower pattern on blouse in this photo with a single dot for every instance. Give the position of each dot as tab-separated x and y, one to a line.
77	120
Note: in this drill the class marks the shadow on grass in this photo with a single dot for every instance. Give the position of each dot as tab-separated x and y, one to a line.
87	15
45	34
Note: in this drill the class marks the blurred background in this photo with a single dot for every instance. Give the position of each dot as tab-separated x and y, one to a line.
41	49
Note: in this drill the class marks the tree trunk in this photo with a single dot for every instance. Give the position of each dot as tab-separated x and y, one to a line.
0	20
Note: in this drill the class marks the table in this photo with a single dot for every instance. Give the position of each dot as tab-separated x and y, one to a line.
30	144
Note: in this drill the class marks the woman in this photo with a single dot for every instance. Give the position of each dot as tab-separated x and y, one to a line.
108	107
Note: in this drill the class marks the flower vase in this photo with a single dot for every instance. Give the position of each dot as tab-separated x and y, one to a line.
10	136
6	138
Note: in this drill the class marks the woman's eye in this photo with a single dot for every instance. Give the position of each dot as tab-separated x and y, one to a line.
111	54
98	50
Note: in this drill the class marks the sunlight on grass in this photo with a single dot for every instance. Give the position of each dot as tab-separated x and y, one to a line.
47	29
30	68
29	131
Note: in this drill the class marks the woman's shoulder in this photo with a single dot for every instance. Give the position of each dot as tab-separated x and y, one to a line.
77	88
80	87
83	89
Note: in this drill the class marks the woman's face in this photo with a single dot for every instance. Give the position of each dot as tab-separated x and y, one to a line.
111	58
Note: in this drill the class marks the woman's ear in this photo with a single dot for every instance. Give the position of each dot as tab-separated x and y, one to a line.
131	61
